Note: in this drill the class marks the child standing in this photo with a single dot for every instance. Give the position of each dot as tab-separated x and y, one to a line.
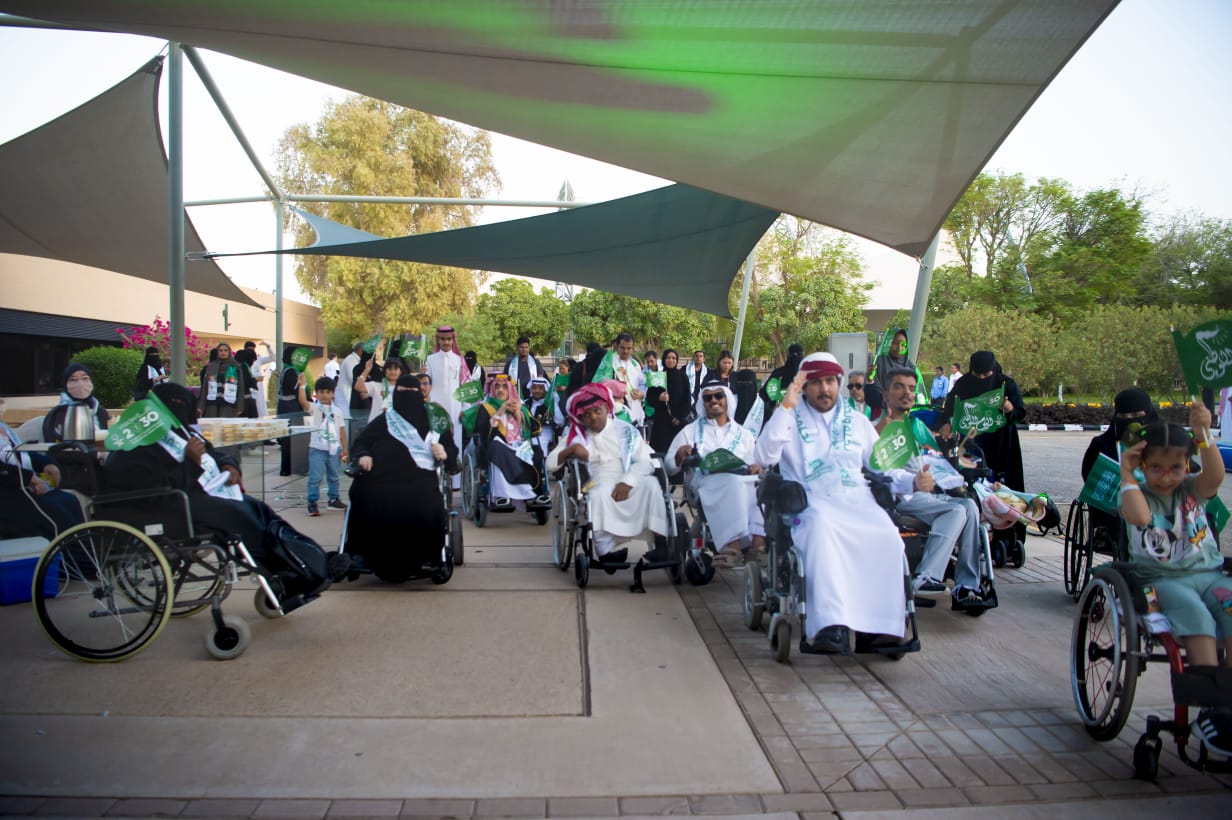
1173	546
327	447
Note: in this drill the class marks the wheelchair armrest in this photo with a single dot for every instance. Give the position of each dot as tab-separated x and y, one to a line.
786	497
1203	686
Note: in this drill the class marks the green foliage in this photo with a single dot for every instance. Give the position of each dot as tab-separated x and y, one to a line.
512	308
1190	263
363	146
599	316
114	371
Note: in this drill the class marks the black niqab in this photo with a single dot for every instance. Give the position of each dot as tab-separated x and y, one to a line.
410	404
179	400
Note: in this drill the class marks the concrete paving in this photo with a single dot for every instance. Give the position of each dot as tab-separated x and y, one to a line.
508	692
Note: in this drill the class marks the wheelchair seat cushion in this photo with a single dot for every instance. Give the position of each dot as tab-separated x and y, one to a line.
787	497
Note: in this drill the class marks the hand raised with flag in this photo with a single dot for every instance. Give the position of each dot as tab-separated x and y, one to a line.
1199	420
924	481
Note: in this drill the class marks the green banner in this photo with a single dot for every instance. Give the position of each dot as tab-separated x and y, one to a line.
438	419
370	345
895	448
1206	355
605	370
469	392
143	422
413	348
774	390
1102	489
560	382
300	358
721	460
1217	513
981	413
656	378
923	436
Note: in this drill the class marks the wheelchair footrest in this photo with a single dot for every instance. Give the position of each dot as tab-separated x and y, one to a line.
1203	686
924	603
872	645
294	602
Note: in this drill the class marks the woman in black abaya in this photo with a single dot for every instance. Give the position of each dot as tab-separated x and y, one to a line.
672	404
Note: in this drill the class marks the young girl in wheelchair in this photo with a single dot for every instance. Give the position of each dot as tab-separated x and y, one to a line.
1174	549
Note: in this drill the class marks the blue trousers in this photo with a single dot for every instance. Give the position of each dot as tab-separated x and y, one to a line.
322	461
950	521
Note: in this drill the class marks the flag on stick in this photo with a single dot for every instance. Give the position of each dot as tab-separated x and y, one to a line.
1206	355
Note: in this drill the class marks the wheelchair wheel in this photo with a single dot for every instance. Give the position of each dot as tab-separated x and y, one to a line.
446	487
699	569
1077	554
481	514
111	591
230	641
470	489
1104	660
581	570
562	529
455	539
264	606
754	606
1016	554
444	573
541	516
199	577
780	640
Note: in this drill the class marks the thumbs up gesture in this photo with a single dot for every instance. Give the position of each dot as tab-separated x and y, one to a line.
924	481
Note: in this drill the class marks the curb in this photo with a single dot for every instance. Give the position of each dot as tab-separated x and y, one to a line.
1069	428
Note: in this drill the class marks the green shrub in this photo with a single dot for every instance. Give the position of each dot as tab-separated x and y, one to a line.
114	370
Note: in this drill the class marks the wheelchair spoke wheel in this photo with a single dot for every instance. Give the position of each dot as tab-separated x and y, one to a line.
1104	654
102	591
780	640
1077	550
199	575
469	489
562	527
754	606
455	539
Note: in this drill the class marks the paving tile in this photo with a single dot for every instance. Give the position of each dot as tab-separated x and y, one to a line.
365	808
830	772
292	808
988	771
654	805
992	720
75	806
931	798
796	802
220	807
958	742
1045	739
1061	791
894	774
937	722
864	778
989	741
1049	768
1121	788
725	804
10	806
865	801
583	807
957	772
1189	783
797	778
929	744
511	807
1079	767
990	795
925	773
833	755
965	721
431	807
829	740
143	807
1016	739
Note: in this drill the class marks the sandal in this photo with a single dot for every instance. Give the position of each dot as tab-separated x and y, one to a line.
729	557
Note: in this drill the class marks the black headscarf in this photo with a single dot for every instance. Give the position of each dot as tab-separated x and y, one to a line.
152	359
795	355
247	356
744	387
68	373
287	353
179	400
410	403
970	385
1132	400
471	359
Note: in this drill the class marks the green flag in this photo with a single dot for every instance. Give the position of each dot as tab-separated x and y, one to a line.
895	448
1206	355
560	382
923	436
606	369
370	345
413	348
1102	489
981	413
721	460
656	378
469	392
143	422
1217	513
774	389
438	419
300	358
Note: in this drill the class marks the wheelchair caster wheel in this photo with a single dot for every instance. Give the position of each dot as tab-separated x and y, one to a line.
1016	554
1146	758
481	514
264	606
754	606
780	641
230	641
442	575
998	554
455	539
581	570
541	516
699	570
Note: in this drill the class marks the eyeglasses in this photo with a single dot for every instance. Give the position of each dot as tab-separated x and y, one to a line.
713	397
1155	471
854	386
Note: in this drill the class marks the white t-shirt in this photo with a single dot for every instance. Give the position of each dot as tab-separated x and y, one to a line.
378	400
332	369
329	420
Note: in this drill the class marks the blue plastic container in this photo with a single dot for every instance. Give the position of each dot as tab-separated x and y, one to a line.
18	558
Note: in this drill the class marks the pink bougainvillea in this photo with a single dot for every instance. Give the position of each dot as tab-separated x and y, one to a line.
158	334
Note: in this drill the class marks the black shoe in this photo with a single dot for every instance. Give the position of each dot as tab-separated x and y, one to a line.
965	597
616	556
284	472
867	642
338	565
926	584
659	553
337	504
833	640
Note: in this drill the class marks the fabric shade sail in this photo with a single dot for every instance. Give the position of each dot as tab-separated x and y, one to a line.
677	244
91	187
871	116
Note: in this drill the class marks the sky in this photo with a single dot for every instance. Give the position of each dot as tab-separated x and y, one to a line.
1143	105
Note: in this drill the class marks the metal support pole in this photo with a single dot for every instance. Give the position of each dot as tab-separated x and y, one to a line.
744	304
175	210
923	282
279	216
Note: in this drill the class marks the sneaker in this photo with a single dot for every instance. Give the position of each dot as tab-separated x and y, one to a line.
923	583
312	509
658	553
966	596
832	639
337	504
1214	727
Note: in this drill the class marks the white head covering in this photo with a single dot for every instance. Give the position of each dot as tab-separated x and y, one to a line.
825	357
700	404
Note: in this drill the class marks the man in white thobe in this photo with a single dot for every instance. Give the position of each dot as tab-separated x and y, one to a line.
448	371
729	500
626	500
627	370
852	552
346	379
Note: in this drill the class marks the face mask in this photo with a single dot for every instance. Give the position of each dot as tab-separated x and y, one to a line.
80	390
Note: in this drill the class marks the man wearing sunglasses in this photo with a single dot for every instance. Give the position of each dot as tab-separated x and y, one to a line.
730	500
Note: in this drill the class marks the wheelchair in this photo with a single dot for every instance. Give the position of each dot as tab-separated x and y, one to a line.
573	541
699	568
103	590
778	589
476	484
1086	535
1111	646
440	570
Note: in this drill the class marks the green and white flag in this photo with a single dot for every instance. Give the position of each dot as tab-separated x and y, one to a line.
438	419
923	436
413	348
300	358
607	368
895	448
1217	513
469	392
721	460
143	422
1206	355
371	344
656	378
981	413
1102	489
774	390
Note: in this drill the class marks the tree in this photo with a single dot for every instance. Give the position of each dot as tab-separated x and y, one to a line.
807	283
512	308
363	146
599	316
1190	262
1023	342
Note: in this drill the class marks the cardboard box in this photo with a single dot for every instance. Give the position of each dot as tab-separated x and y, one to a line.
18	558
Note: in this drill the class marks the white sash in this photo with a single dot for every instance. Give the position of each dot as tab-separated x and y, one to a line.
756	414
825	472
329	428
213	479
419	447
701	436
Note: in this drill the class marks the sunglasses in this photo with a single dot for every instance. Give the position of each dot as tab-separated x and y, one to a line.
713	397
854	386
